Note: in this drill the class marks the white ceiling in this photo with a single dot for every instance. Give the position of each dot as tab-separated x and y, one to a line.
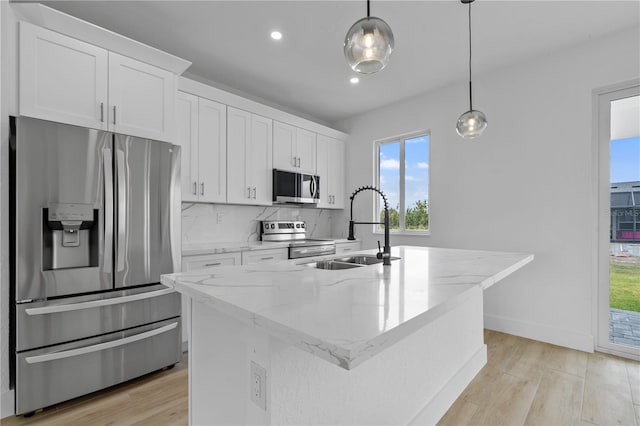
305	73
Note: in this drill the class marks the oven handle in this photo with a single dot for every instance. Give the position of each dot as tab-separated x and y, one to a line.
96	303
100	346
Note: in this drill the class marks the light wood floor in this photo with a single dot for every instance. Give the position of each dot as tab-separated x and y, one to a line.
524	382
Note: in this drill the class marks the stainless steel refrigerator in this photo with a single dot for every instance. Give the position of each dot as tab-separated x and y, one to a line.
95	220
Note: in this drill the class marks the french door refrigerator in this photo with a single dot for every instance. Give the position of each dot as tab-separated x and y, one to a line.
95	220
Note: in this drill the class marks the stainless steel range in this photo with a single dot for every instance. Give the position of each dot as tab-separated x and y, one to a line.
295	232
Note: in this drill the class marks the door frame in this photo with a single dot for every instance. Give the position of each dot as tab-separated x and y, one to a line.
602	98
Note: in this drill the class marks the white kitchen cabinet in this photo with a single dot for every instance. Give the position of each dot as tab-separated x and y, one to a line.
294	148
208	261
205	261
330	157
201	131
264	256
249	154
62	79
141	98
348	247
66	80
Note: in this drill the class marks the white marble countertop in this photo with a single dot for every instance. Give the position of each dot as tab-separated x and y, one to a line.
231	247
347	316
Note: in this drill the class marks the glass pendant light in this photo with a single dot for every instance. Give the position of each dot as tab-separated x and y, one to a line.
472	123
368	44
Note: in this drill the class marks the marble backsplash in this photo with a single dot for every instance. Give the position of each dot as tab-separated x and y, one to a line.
215	223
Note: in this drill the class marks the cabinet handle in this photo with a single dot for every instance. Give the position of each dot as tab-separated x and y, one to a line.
102	112
195	188
294	161
298	162
114	114
330	199
202	188
249	192
213	264
254	192
266	258
347	249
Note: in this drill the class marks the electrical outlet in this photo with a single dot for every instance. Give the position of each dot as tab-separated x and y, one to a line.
258	385
219	218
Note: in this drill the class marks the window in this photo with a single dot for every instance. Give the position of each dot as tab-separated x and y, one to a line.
403	175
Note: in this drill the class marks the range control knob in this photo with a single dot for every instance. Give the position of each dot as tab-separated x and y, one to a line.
273	226
297	225
303	225
266	226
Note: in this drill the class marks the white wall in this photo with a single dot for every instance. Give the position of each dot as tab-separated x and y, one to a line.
525	185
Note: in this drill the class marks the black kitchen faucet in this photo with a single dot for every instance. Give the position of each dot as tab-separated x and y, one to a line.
385	254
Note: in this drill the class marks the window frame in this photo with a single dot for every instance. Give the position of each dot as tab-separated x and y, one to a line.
402	138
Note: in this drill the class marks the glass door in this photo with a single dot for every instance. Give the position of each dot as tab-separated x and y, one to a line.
619	221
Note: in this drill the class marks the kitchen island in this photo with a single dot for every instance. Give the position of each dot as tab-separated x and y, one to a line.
286	343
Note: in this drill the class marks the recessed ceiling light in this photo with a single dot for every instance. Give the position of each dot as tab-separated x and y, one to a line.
354	80
276	35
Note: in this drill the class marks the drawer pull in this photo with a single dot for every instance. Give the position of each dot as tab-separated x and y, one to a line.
213	264
96	303
100	346
266	258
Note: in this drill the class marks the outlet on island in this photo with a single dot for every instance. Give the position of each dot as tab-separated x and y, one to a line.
258	385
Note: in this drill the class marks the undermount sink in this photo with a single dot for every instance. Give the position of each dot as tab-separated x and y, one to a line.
331	264
346	262
364	259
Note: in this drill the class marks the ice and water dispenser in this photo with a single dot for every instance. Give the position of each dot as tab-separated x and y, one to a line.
69	236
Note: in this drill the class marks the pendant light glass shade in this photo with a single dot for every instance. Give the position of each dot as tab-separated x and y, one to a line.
368	45
471	124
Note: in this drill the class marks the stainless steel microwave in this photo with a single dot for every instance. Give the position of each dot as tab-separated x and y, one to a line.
296	188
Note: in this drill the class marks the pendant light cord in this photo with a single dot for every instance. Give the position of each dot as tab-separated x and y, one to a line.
368	14
470	96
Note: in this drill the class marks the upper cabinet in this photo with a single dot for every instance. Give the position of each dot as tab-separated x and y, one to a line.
294	148
330	156
141	98
69	81
249	151
201	131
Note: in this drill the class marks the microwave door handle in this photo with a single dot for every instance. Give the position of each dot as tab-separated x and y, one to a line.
107	256
122	209
313	187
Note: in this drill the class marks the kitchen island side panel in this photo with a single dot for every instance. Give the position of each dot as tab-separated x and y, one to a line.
417	379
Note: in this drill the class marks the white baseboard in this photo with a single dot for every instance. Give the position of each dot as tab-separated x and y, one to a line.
544	333
438	406
7	406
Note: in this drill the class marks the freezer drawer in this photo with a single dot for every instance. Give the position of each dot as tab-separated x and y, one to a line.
55	374
57	321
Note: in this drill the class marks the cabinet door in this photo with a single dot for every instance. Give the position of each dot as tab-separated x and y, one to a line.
141	98
284	147
306	151
62	79
342	248
212	151
336	173
264	256
322	157
238	134
186	123
259	160
210	261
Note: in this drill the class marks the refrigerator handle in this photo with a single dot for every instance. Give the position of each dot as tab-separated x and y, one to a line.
122	210
100	346
107	257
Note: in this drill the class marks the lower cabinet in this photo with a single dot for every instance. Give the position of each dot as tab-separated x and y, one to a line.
348	247
264	256
193	263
